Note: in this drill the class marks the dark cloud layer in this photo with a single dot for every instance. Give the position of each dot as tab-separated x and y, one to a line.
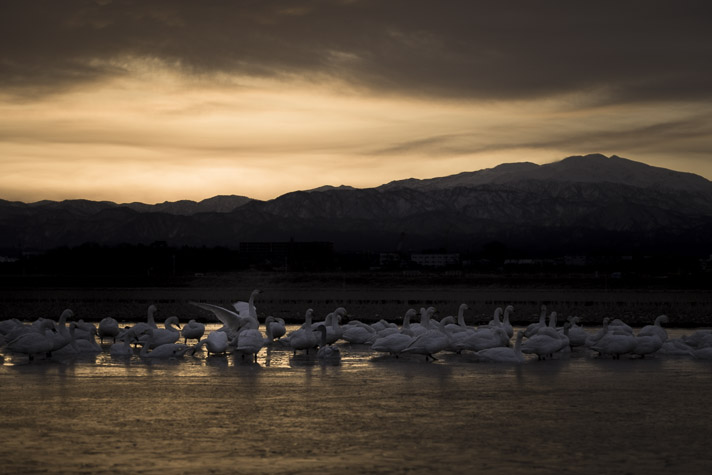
623	50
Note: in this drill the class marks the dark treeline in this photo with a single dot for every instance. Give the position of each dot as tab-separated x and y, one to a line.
162	264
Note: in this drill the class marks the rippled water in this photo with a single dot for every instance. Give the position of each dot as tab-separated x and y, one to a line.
369	414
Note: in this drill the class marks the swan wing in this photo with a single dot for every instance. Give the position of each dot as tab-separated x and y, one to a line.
228	318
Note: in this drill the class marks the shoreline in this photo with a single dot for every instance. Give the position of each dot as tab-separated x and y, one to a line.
638	307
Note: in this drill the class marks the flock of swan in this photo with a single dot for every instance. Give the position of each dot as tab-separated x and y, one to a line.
242	334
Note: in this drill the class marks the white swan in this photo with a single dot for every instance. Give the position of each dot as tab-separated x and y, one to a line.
675	347
78	345
428	343
505	322
656	329
504	354
591	340
333	330
699	339
647	345
304	338
619	327
326	352
108	328
533	328
545	345
275	327
34	343
122	348
460	326
232	322
248	309
483	338
216	343
360	334
577	335
496	319
163	336
424	325
395	343
192	331
85	330
141	327
614	343
250	342
167	350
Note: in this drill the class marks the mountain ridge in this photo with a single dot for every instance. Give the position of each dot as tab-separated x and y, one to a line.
579	204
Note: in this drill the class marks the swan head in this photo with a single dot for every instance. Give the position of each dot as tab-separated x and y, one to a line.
67	313
152	309
463	306
172	321
509	309
662	319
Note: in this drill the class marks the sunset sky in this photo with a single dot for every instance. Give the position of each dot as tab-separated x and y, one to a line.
178	99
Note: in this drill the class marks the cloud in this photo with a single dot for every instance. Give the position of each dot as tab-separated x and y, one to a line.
632	51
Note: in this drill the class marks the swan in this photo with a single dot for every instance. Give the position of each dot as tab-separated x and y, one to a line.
61	337
250	342
216	343
505	322
699	339
78	345
647	345
108	328
162	336
334	331
34	343
591	340
167	350
142	327
232	322
702	353
545	345
248	309
395	343
85	330
6	326
550	329
619	327
424	325
460	326
656	328
122	348
577	335
496	319
327	352
360	334
303	338
482	339
675	347
614	343
504	354
192	331
275	327
533	328
428	343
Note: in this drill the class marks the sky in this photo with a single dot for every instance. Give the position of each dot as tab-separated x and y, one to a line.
158	101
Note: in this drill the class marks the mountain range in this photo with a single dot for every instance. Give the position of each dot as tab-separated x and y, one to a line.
581	204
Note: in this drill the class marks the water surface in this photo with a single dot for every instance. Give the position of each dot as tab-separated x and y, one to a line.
369	414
